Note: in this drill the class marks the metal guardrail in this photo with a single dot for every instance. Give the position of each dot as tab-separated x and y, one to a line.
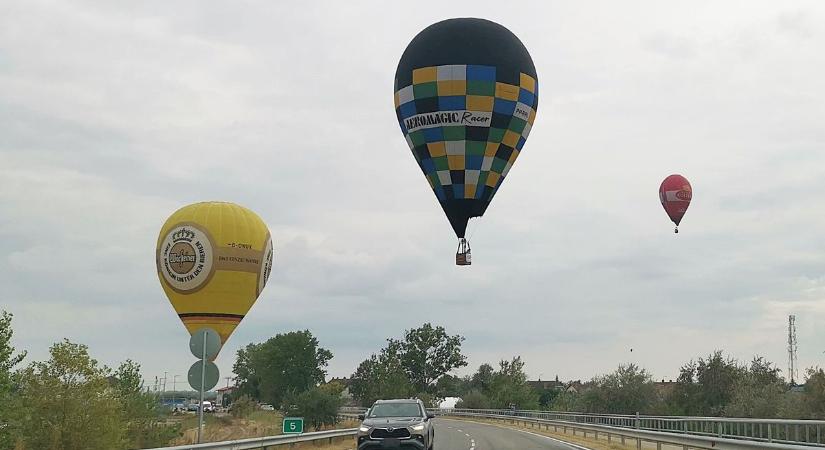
694	432
269	441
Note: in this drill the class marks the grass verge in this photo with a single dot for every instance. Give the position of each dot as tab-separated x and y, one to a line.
226	428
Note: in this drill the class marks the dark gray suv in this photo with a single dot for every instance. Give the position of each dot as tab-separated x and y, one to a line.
396	424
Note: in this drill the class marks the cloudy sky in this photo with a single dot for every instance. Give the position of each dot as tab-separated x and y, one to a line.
115	114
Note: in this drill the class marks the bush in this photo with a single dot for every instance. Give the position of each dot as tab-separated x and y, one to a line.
474	400
316	406
243	407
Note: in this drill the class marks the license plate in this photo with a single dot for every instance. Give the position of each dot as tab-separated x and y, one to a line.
391	443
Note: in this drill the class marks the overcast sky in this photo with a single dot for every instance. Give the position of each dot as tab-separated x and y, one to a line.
115	114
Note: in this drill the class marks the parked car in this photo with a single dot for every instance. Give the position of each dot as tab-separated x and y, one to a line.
402	423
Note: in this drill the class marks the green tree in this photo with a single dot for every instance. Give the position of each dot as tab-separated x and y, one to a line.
243	407
427	353
68	403
706	386
449	386
509	386
567	401
317	406
474	399
405	367
8	360
290	362
333	387
815	393
759	392
381	376
483	378
627	390
141	413
546	397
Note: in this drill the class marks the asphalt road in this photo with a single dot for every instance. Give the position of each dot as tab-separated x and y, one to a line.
461	435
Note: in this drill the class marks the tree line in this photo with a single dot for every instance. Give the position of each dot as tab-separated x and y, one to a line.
715	385
72	402
422	361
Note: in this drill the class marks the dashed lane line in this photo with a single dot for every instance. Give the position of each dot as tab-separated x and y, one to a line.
576	446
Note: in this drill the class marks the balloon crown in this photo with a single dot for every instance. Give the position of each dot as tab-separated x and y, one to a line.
183	235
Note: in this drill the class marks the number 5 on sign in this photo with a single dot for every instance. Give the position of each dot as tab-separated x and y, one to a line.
293	425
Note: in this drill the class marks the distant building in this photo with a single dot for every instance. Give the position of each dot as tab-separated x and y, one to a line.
575	387
547	385
224	398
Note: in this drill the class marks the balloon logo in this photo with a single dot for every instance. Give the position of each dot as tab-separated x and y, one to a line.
466	94
675	194
213	261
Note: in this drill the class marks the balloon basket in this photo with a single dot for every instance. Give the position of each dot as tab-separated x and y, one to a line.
462	254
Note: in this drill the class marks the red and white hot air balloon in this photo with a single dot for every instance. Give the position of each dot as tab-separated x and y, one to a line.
675	194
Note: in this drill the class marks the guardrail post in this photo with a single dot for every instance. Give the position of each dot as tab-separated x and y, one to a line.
637	420
638	444
609	437
622	439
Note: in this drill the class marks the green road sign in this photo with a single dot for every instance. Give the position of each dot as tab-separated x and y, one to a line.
293	425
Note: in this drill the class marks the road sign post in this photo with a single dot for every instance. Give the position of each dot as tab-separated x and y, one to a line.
293	425
203	375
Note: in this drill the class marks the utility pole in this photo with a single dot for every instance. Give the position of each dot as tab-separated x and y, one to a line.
164	387
792	350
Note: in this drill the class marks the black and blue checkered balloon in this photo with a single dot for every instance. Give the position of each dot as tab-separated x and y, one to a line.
466	94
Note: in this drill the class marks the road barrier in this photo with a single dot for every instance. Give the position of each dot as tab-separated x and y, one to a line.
714	433
711	433
266	442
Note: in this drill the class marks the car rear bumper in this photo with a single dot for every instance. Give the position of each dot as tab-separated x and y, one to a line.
401	444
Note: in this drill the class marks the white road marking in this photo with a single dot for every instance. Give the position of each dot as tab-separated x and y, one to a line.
460	430
467	434
576	446
548	437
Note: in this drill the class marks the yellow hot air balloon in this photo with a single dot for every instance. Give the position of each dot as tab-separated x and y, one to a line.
213	261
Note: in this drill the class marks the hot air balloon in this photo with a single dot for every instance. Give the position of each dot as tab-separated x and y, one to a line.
675	194
466	94
213	261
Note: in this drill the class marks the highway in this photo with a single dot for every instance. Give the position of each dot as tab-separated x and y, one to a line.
461	435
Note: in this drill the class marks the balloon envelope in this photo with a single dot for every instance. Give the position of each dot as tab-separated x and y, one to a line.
675	194
466	94
213	261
